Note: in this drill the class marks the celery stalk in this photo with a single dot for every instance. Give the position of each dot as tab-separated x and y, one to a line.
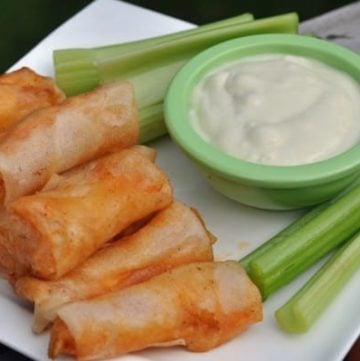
144	43
304	308
151	125
151	64
294	254
86	63
66	57
282	235
152	67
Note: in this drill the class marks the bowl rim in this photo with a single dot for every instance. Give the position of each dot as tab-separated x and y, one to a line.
182	132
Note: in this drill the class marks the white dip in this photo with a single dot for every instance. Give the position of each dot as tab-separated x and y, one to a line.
277	109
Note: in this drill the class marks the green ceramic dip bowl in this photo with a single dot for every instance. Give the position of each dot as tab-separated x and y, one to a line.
258	185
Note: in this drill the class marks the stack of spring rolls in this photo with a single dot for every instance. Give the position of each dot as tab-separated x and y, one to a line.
90	232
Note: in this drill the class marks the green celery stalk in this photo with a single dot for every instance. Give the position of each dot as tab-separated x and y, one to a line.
152	126
151	68
86	63
306	306
285	260
151	64
144	43
282	235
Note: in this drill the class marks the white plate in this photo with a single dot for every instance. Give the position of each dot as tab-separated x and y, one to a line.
239	229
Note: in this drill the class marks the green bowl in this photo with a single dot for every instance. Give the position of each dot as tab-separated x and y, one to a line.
258	185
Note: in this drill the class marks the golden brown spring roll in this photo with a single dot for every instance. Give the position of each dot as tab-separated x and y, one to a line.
23	91
146	151
174	236
57	138
55	230
11	269
198	305
7	262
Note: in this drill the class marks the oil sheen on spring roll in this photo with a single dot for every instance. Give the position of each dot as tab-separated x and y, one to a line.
57	138
23	91
55	230
174	236
198	305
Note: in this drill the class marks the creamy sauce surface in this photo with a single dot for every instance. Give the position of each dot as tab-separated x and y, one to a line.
277	109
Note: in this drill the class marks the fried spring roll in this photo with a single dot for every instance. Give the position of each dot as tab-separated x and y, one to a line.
198	305
7	262
23	91
55	230
146	151
174	236
55	139
12	270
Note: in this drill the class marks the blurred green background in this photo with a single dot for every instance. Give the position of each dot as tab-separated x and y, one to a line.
23	23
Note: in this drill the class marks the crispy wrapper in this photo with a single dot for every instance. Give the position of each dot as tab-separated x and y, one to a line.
174	236
198	305
8	265
57	229
57	138
22	92
7	262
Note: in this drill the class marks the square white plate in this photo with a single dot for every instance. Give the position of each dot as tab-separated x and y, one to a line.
239	228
